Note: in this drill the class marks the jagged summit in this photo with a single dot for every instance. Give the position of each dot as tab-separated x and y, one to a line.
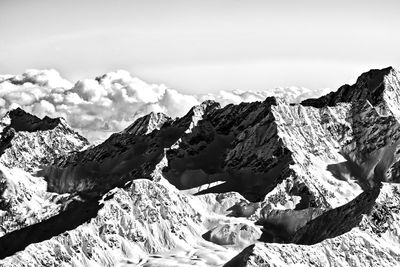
206	106
28	141
21	120
371	85
146	124
197	189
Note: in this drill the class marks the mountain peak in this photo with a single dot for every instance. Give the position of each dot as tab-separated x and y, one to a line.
206	105
21	120
146	124
373	85
28	141
271	173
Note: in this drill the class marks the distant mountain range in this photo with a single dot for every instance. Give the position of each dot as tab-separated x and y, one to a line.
109	103
277	182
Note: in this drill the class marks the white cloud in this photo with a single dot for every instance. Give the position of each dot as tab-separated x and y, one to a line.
43	108
48	78
291	94
98	107
176	104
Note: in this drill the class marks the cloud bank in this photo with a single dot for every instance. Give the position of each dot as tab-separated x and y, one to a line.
109	103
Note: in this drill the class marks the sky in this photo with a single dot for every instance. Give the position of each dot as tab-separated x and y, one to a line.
203	46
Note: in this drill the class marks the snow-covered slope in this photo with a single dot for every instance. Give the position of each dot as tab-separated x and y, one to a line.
375	242
146	124
28	142
255	184
31	141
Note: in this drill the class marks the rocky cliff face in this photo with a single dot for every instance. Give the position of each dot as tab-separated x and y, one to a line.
374	242
147	124
30	142
256	184
27	143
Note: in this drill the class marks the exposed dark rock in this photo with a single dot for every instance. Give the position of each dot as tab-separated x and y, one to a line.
23	121
72	217
369	86
337	221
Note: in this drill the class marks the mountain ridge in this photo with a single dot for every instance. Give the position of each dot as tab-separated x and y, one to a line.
270	177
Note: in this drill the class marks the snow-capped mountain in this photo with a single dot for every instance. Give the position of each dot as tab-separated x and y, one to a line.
268	183
31	141
110	102
27	143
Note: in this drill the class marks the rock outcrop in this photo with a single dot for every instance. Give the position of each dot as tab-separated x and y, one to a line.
27	143
256	184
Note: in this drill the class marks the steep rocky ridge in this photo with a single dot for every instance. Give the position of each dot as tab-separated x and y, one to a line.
24	200
309	174
121	158
146	124
22	121
374	242
370	152
378	86
31	142
128	226
26	143
323	154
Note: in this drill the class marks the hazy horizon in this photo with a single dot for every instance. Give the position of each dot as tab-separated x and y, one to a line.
202	46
